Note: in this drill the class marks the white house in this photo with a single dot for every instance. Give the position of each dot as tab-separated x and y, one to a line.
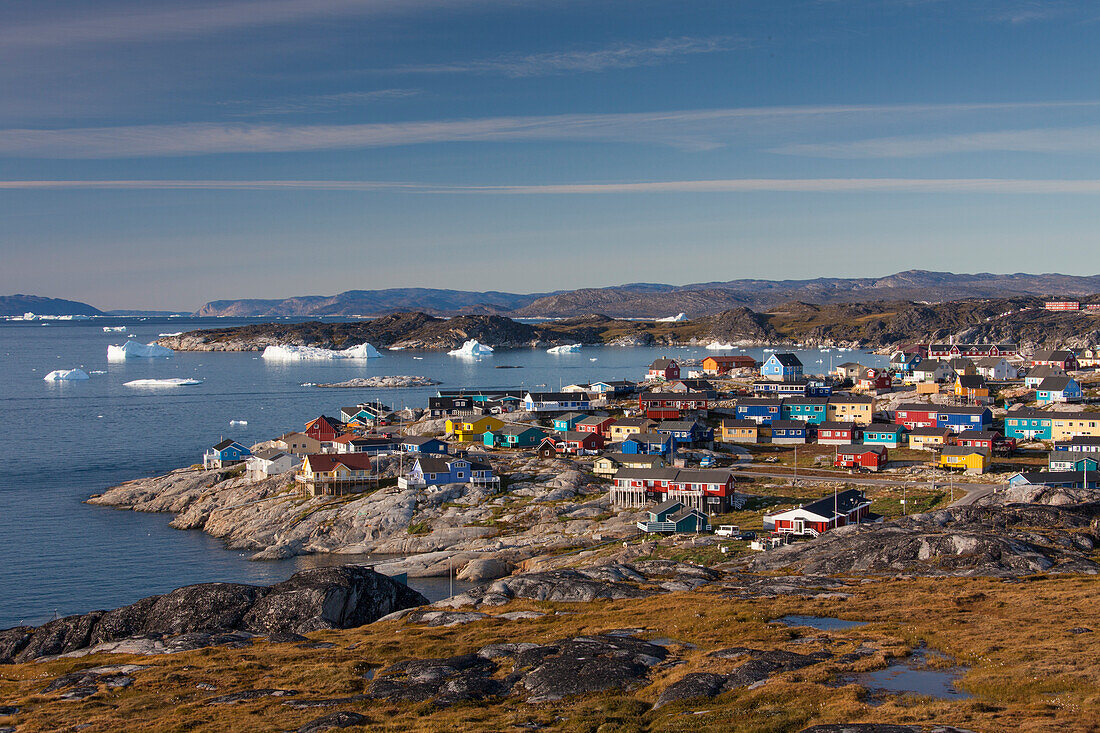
270	462
556	401
996	368
930	370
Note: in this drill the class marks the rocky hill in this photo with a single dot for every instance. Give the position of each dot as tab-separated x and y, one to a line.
18	304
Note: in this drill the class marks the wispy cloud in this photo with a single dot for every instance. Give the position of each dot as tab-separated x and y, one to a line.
618	56
139	23
313	103
685	129
736	185
1075	140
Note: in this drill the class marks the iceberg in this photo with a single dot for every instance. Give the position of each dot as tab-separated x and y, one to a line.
137	350
472	350
564	349
174	382
114	329
314	353
238	422
673	319
720	347
66	375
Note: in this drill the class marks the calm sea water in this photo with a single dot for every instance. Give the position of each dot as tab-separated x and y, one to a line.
63	441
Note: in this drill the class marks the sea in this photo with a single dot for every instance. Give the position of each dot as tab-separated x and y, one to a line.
63	441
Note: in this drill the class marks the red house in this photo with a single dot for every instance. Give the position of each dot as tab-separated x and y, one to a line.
868	457
839	433
670	405
663	370
991	440
595	424
708	490
324	428
916	415
1067	360
829	512
873	378
575	441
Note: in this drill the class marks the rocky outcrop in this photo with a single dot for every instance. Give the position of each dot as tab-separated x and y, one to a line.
999	541
759	666
321	598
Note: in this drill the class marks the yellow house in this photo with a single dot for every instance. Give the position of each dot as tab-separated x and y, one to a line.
928	438
971	460
1066	425
335	473
972	387
739	431
624	428
473	429
850	408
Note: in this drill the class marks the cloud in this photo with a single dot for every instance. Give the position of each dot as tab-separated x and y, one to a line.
686	129
312	103
618	56
196	19
1010	186
1074	140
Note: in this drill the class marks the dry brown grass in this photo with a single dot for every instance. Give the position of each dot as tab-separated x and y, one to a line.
1027	672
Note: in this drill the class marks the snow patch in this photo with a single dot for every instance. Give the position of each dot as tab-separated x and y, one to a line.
673	319
66	375
472	349
137	350
313	353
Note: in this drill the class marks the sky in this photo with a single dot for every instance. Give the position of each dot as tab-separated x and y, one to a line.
163	153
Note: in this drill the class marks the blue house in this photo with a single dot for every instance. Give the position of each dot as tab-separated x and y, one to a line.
421	444
514	436
649	444
807	409
891	436
782	368
614	388
438	470
1066	460
1081	444
818	388
1058	389
568	421
226	453
686	432
760	410
905	362
1029	425
959	419
789	431
1058	479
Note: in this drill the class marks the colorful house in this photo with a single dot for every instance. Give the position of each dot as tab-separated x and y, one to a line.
514	436
848	370
966	458
759	410
929	438
903	361
673	517
472	429
270	462
614	388
789	431
739	431
709	490
596	424
448	406
724	364
1081	443
1067	425
1036	375
556	401
839	433
662	370
439	470
1069	460
374	445
670	406
335	474
1066	360
996	368
421	444
867	457
625	427
609	463
793	388
324	428
917	415
1028	424
298	443
1058	479
964	418
576	443
972	388
829	512
807	409
931	371
649	444
781	368
891	436
949	350
844	407
1058	389
686	432
567	421
874	378
225	453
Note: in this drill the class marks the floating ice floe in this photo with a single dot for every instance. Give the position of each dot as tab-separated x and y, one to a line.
564	349
720	347
66	375
137	350
673	319
314	353
238	422
114	329
173	382
174	333
472	349
593	359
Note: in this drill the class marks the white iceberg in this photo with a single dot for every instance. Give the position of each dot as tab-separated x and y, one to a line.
174	333
114	329
673	319
238	422
314	353
66	375
174	382
472	349
564	349
137	350
720	347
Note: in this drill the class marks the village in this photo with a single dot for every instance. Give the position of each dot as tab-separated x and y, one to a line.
757	452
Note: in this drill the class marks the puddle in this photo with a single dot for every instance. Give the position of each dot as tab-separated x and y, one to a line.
821	623
912	675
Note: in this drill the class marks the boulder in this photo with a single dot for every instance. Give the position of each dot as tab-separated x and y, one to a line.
339	719
477	571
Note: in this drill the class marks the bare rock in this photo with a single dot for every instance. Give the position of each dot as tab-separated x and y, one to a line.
339	719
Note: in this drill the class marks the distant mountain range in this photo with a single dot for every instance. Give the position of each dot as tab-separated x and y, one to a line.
654	300
18	304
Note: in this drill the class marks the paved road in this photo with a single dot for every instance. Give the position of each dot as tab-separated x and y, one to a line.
974	491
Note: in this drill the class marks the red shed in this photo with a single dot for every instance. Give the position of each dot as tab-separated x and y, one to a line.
869	457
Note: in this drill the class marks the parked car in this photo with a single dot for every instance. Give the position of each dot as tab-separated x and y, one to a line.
728	530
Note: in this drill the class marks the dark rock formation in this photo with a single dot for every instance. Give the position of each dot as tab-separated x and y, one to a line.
321	598
999	541
759	666
340	719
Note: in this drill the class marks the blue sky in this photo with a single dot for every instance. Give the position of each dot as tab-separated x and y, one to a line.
161	154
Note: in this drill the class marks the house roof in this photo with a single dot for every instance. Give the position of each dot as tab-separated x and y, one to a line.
860	450
268	454
1056	355
329	461
917	407
676	425
1084	440
622	458
884	428
842	503
331	421
806	401
416	439
226	443
558	396
848	399
971	381
979	435
930	365
570	416
739	423
595	420
1056	384
759	402
577	435
788	424
1045	370
786	359
662	364
929	431
945	410
632	422
653	396
837	425
513	429
645	437
963	450
678	475
664	506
